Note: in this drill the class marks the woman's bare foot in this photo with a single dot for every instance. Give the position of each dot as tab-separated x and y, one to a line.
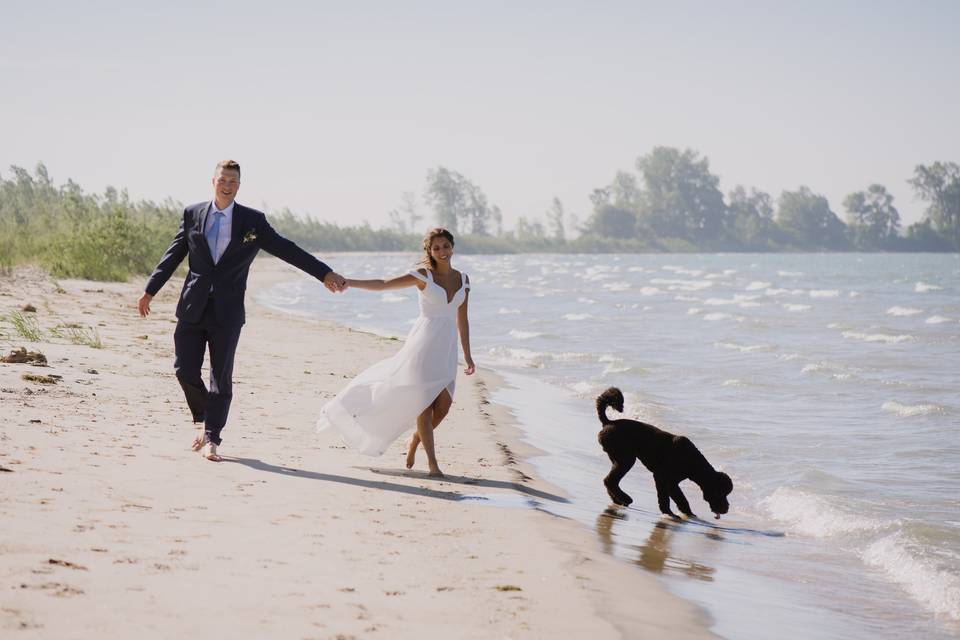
412	450
435	471
199	441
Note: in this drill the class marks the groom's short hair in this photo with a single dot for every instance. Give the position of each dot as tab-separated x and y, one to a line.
231	165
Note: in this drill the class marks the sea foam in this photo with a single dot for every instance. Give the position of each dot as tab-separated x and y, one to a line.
923	287
878	337
903	311
910	410
814	515
934	588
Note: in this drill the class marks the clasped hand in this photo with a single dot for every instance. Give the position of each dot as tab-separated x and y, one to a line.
335	282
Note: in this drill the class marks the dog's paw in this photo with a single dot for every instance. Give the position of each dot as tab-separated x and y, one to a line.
622	500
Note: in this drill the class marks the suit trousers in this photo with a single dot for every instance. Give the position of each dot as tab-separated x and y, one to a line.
191	340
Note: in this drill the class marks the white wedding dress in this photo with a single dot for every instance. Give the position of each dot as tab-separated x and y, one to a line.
384	400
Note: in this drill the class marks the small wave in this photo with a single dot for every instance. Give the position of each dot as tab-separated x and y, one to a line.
585	388
734	382
577	316
787	357
938	320
649	291
392	297
504	311
692	311
825	293
910	410
683	270
789	274
796	308
586	301
683	285
878	337
713	317
526	358
524	335
616	286
923	287
742	348
785	292
364	316
934	588
836	371
756	285
814	515
903	311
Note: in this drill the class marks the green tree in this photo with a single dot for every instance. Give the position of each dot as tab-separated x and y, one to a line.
459	205
939	185
406	218
609	221
750	219
807	219
625	192
681	197
872	219
555	217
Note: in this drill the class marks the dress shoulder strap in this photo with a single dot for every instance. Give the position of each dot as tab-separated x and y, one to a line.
464	281
419	276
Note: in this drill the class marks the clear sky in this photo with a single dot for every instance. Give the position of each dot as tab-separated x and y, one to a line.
336	109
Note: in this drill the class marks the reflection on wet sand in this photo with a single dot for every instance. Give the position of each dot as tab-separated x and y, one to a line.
654	554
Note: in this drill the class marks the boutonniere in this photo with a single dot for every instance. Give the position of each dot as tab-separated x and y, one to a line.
249	236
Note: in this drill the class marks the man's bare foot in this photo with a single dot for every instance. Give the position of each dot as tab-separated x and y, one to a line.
435	472
412	451
199	441
210	452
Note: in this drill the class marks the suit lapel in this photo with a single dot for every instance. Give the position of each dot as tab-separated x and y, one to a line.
236	230
203	227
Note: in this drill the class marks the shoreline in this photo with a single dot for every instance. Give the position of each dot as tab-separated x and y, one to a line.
293	534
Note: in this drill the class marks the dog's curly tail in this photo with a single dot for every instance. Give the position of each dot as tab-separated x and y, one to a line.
612	397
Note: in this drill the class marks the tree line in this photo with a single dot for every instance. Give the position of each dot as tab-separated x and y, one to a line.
672	202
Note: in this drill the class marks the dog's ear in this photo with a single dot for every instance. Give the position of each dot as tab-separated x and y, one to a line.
725	483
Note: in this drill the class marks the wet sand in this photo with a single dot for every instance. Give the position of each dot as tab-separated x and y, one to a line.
114	528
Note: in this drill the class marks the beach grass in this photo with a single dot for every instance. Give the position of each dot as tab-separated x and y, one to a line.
26	327
78	334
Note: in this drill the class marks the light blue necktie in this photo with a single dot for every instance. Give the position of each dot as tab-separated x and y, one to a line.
213	234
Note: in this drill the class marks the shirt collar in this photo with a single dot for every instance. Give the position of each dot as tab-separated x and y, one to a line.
228	212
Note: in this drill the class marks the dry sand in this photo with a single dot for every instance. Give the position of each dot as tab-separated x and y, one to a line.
113	528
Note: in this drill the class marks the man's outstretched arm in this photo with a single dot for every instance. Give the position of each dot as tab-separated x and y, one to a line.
286	250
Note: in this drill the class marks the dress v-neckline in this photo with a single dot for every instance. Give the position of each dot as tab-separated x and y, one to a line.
436	284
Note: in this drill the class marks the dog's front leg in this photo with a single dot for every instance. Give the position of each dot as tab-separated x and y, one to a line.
663	494
677	494
621	465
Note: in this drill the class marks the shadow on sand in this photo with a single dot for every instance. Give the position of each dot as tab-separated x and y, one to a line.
260	465
473	482
383	485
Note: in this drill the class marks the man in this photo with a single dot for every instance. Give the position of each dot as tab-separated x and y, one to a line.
220	239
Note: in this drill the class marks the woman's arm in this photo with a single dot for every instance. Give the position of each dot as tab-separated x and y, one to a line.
463	325
399	282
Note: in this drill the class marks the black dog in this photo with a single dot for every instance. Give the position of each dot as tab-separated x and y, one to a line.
670	458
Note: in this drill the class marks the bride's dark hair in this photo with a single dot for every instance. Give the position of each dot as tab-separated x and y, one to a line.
437	232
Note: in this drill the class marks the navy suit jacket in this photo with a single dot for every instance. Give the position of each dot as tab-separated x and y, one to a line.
251	232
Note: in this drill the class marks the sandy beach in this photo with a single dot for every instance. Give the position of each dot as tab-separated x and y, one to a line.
113	528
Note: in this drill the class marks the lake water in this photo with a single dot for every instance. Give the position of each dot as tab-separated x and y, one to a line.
827	386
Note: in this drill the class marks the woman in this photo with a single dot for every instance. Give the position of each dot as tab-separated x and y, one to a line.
419	381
